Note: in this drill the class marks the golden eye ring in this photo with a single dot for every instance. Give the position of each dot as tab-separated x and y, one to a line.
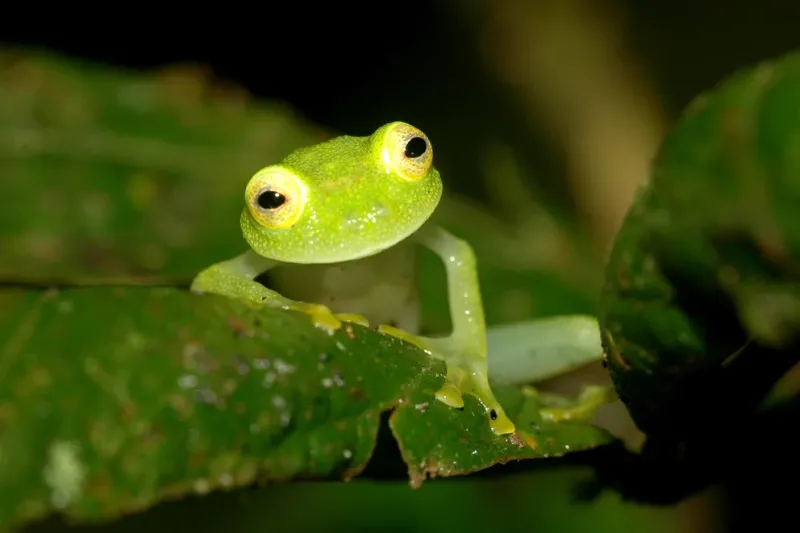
407	151
275	198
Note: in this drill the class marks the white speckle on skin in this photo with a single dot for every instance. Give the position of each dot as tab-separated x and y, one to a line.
64	473
347	454
327	383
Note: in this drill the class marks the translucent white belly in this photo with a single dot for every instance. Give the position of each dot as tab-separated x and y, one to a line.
381	287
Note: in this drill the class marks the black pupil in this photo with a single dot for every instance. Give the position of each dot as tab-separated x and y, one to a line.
416	147
271	200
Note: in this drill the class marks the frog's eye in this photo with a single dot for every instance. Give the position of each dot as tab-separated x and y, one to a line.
275	197
407	151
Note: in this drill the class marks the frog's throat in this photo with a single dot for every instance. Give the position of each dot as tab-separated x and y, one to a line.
250	230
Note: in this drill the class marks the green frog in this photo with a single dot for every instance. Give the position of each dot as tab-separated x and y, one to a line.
345	215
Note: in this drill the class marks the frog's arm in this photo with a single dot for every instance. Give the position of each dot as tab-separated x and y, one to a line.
464	295
464	350
235	278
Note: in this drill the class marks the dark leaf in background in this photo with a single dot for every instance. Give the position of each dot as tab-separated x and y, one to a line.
700	312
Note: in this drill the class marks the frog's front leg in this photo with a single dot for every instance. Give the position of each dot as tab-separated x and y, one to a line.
235	278
464	350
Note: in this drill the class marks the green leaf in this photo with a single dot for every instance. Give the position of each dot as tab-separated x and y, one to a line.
424	434
116	398
701	305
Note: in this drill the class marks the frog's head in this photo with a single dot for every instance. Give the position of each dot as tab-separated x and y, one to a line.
344	199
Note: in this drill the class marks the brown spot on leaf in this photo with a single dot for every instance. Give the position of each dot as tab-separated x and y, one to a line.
733	124
418	475
617	356
128	411
99	487
181	405
528	440
229	386
356	393
240	328
196	460
623	279
772	245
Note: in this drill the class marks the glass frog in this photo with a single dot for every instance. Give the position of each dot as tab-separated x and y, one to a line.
345	215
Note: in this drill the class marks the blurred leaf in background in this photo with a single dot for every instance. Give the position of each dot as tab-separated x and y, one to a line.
700	314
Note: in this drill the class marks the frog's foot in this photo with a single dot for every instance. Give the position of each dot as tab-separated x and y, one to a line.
466	374
469	375
354	318
321	315
324	318
450	394
583	408
404	335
